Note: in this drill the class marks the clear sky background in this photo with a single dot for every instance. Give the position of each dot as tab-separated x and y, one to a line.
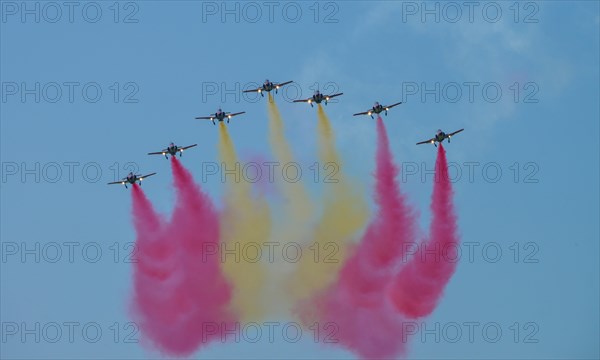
174	52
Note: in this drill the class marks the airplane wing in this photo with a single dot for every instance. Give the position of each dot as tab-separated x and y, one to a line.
145	176
332	96
205	117
305	100
236	114
252	90
456	132
116	182
362	113
187	147
158	152
391	106
283	83
430	141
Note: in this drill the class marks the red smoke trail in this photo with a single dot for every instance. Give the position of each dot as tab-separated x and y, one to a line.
152	255
420	284
180	292
395	225
365	322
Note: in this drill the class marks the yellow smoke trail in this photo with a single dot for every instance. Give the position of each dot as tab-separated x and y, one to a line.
298	203
293	224
245	227
344	214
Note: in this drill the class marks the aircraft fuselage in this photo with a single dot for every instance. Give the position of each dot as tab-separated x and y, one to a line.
269	86
318	98
132	179
221	116
173	150
440	137
378	109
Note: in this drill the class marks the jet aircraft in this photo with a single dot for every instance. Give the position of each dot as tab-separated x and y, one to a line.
131	179
220	115
268	86
318	98
377	109
439	137
172	149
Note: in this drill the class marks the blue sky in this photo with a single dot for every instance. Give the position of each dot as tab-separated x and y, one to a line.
371	51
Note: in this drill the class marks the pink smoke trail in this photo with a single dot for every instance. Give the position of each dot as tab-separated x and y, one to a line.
355	306
152	255
181	296
419	285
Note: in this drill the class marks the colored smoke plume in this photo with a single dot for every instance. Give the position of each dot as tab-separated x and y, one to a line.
420	284
344	214
365	320
245	225
179	288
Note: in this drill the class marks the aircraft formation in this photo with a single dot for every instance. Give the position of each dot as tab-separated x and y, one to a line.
269	86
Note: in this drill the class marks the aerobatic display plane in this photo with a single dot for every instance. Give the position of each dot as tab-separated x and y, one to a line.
378	109
172	149
439	137
131	179
318	98
268	86
220	115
